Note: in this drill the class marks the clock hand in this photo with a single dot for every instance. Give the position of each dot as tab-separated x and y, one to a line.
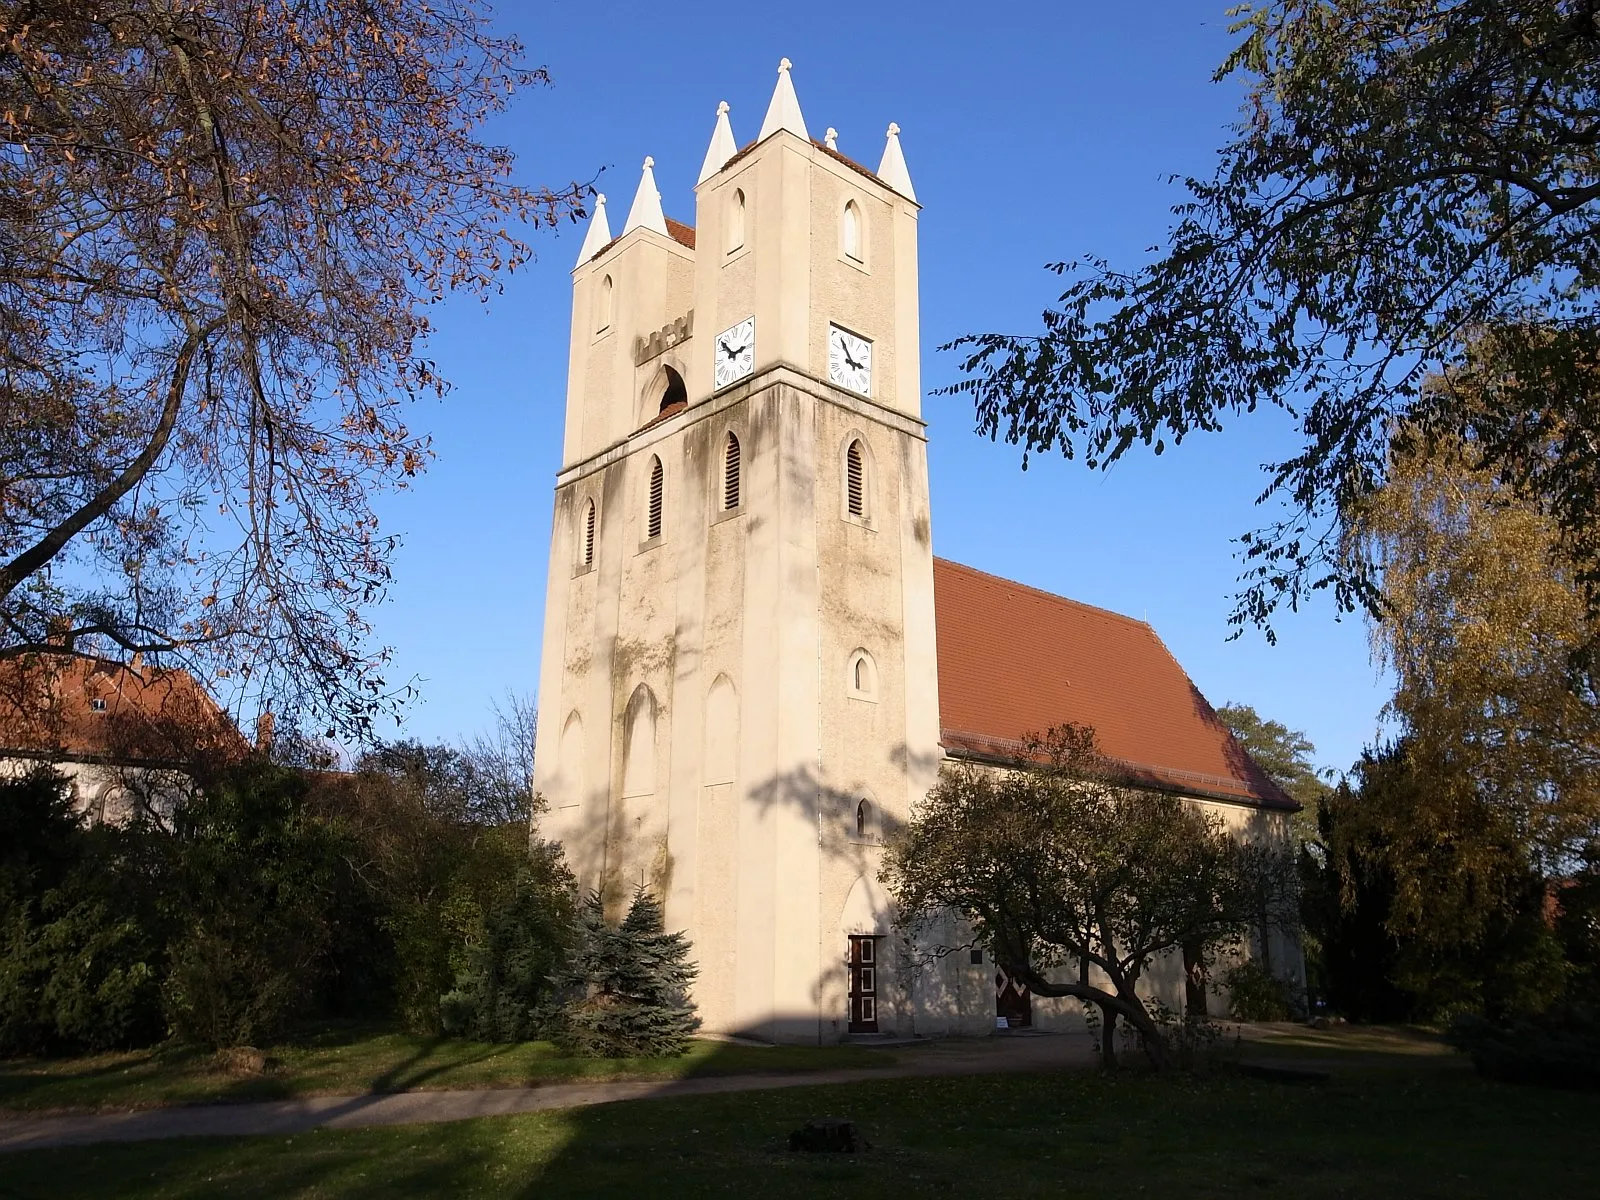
725	350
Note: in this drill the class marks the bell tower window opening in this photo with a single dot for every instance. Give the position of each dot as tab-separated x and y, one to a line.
861	681
850	233
602	306
736	221
730	473
588	534
675	392
863	818
653	517
855	482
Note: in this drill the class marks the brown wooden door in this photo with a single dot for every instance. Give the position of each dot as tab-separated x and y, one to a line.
863	984
1012	1000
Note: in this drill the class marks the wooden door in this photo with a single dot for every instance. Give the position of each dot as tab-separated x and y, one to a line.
863	965
1012	1000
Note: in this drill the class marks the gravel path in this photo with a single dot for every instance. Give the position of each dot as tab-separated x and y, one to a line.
977	1056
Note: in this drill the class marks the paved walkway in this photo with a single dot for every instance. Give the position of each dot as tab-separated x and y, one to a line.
977	1056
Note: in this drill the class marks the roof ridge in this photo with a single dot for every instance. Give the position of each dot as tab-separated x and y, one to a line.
1024	587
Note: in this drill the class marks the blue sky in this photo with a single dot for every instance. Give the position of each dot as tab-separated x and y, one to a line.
1034	133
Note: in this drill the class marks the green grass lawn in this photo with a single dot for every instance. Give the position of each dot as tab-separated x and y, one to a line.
1415	1130
338	1061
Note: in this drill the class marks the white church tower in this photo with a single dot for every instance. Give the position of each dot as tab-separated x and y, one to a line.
738	691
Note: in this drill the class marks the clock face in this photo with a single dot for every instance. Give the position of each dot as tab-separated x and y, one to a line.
849	360
736	352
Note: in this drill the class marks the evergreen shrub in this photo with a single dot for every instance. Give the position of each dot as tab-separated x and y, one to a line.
626	986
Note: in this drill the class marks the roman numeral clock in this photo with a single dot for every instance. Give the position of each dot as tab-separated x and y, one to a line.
736	352
849	361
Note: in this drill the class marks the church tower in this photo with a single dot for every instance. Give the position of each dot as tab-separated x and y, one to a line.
738	693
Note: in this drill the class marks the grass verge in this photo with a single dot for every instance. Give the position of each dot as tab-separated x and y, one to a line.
351	1061
1430	1133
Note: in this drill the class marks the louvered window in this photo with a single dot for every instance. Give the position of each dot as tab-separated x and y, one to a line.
730	473
855	481
653	521
588	535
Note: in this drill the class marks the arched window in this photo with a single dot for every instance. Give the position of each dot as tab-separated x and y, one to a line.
569	789
863	818
652	523
639	745
730	473
735	220
674	392
850	233
855	480
588	534
861	678
602	306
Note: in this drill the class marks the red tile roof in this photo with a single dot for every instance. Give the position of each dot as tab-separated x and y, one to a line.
68	707
681	233
1013	661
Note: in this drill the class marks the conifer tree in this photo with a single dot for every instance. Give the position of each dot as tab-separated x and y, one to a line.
627	985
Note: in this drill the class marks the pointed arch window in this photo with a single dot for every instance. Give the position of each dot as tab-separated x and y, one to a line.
652	523
855	480
730	472
861	677
736	220
602	306
850	232
588	534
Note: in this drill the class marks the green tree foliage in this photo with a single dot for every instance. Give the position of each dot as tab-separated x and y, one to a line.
80	956
276	894
1427	903
1287	756
627	985
1077	882
1405	175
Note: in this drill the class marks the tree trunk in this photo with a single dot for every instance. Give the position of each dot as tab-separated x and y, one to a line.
1108	1038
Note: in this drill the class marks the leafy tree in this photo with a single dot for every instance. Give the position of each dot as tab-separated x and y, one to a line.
220	225
1427	902
1286	756
628	985
1063	866
1485	626
1406	178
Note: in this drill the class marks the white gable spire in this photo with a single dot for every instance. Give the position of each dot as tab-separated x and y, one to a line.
892	169
722	146
646	211
784	111
599	235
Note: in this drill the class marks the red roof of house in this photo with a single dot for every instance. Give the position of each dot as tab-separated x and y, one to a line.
68	707
1014	661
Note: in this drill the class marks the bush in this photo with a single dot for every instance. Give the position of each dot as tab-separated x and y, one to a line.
79	962
253	896
503	991
1255	994
1560	1049
627	986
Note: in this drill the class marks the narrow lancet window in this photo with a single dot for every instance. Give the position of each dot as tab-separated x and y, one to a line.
653	519
735	221
855	480
730	473
851	233
588	535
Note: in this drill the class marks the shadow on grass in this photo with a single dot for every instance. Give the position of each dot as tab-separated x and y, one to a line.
1429	1133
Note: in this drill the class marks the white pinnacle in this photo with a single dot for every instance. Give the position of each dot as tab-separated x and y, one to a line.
892	169
784	111
646	211
722	146
599	235
831	139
